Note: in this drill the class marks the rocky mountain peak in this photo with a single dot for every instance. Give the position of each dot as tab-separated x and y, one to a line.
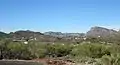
100	31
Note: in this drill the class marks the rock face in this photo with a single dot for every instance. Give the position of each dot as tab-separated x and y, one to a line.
100	31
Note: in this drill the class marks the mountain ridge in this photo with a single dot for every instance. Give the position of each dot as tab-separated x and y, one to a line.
47	36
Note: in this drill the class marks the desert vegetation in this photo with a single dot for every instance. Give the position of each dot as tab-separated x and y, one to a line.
79	50
98	53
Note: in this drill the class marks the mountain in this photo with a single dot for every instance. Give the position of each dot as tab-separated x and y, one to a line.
60	34
55	34
31	35
75	34
25	34
3	35
100	31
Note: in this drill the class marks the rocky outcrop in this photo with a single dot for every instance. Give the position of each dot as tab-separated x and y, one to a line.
100	31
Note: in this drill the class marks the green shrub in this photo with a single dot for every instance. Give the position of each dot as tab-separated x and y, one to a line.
90	50
114	59
58	50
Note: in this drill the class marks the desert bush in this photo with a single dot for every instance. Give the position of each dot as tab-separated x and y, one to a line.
113	59
83	52
37	50
90	50
58	50
17	50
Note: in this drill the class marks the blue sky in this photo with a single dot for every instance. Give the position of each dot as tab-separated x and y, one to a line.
58	15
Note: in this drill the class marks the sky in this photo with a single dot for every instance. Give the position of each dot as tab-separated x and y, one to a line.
58	15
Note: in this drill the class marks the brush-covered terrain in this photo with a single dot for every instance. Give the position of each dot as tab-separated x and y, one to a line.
99	46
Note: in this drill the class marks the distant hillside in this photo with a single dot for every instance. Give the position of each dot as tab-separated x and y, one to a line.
60	34
25	34
55	34
3	35
46	37
62	37
100	31
31	35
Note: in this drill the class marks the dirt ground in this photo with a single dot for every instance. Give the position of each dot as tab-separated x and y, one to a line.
55	62
37	62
